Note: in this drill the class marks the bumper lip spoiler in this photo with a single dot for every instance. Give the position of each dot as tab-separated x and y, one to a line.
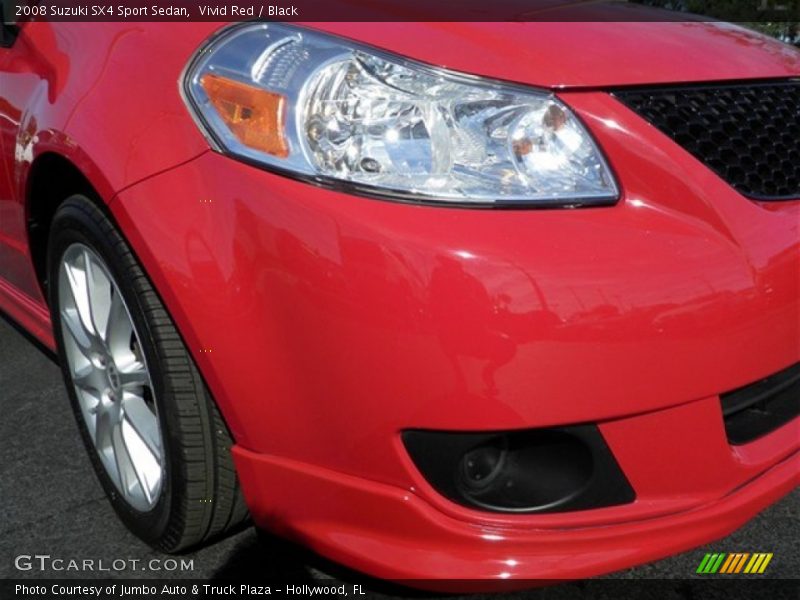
393	533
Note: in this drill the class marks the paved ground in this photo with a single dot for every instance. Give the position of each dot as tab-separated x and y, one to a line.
51	504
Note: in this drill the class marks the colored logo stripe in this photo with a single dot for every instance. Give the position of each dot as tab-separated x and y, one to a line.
727	564
735	562
711	563
758	563
703	564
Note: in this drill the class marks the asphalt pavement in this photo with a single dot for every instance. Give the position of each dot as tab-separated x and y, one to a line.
51	504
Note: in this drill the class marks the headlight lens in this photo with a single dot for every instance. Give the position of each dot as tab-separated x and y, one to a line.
321	108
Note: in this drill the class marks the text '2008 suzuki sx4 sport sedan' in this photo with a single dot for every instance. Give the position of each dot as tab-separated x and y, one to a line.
443	300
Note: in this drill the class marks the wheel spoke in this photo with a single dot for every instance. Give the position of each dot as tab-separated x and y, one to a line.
103	429
134	381
127	472
144	423
98	291
119	329
73	324
132	470
90	405
134	378
79	290
88	378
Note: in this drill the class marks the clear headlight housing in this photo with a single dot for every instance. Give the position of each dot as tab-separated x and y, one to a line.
324	109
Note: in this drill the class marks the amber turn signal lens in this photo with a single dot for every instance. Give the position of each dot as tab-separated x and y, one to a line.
253	115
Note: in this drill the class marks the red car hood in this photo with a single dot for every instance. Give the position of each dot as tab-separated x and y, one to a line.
599	54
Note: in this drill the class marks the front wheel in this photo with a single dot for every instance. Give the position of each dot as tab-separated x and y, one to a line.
154	435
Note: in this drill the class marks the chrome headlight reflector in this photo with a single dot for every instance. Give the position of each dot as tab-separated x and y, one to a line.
324	109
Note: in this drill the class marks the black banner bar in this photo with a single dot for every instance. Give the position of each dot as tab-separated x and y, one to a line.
773	11
740	587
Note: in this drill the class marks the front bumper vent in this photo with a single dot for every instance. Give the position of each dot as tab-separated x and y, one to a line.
748	133
757	409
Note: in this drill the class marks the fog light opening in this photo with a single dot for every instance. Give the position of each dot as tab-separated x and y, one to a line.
517	471
535	470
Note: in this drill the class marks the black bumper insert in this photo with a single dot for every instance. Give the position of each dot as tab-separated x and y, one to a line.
528	471
757	409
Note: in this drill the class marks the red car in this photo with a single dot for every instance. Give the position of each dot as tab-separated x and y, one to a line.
439	300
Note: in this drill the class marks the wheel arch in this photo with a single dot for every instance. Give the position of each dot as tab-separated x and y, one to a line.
51	179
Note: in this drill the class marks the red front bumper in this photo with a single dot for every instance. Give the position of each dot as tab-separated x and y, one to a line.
326	324
394	534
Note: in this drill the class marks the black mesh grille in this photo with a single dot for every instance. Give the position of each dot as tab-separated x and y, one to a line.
749	134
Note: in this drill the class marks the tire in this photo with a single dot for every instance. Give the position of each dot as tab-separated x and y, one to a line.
154	435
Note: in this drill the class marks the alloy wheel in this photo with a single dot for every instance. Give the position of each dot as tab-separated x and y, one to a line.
110	375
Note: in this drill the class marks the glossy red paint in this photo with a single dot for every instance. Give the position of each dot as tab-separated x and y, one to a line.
64	91
335	322
585	55
394	534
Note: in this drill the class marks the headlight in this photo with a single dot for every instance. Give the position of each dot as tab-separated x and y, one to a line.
324	109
